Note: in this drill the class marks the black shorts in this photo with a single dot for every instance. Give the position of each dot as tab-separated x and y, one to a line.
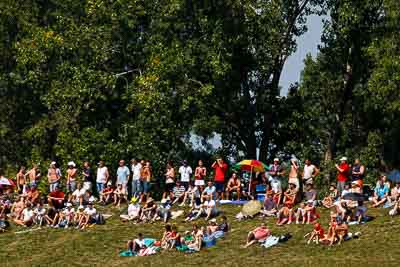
169	187
219	187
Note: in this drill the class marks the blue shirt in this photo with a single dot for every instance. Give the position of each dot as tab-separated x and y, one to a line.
210	191
381	191
122	174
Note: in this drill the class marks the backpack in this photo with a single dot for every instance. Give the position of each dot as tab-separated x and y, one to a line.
100	219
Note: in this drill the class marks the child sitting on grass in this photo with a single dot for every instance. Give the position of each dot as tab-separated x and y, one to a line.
135	245
311	212
328	201
285	215
301	214
317	234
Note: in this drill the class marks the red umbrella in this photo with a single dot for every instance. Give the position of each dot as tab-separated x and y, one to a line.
6	182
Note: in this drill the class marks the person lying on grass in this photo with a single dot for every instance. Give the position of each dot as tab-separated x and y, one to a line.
332	196
259	234
194	213
136	244
285	215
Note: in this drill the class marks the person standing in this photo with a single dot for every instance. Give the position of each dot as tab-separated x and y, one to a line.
21	180
275	170
34	174
147	174
87	176
357	173
102	176
310	171
136	169
185	172
293	174
72	173
220	168
169	180
343	174
200	174
53	176
123	175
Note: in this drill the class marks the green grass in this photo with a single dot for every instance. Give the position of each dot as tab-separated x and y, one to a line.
379	245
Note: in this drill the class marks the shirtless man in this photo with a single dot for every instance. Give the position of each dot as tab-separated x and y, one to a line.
72	173
34	174
233	186
293	173
21	180
53	176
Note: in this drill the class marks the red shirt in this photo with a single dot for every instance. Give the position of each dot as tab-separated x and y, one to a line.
220	172
56	194
343	176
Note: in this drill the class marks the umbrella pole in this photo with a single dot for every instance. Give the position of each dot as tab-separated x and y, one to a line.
251	178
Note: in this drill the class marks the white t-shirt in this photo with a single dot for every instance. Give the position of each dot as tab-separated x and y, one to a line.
210	203
101	175
276	185
140	243
90	211
27	214
68	212
185	173
79	192
136	171
308	171
133	210
40	211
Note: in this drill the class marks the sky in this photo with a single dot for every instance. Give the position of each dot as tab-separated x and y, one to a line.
307	43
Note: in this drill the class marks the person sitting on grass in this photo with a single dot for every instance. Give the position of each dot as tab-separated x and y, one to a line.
56	198
209	207
289	196
341	232
345	191
396	209
79	214
89	216
311	212
178	193
134	211
224	225
78	195
149	210
33	195
233	186
270	207
194	212
394	194
198	235
317	234
27	216
381	193
67	216
136	244
174	239
166	236
164	211
212	227
120	195
39	214
310	193
51	216
193	194
17	208
285	215
210	190
301	214
361	212
106	195
259	234
332	196
330	236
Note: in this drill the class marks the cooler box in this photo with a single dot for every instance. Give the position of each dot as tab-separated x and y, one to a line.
261	197
261	188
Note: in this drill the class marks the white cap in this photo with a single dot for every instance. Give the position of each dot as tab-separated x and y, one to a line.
81	207
343	159
213	220
53	163
163	201
276	159
69	204
71	163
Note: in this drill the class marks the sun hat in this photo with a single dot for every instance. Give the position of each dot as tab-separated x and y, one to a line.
150	200
71	163
134	199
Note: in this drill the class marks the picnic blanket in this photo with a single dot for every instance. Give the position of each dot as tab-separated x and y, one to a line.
149	250
233	202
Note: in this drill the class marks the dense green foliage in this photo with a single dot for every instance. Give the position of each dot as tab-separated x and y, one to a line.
115	79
